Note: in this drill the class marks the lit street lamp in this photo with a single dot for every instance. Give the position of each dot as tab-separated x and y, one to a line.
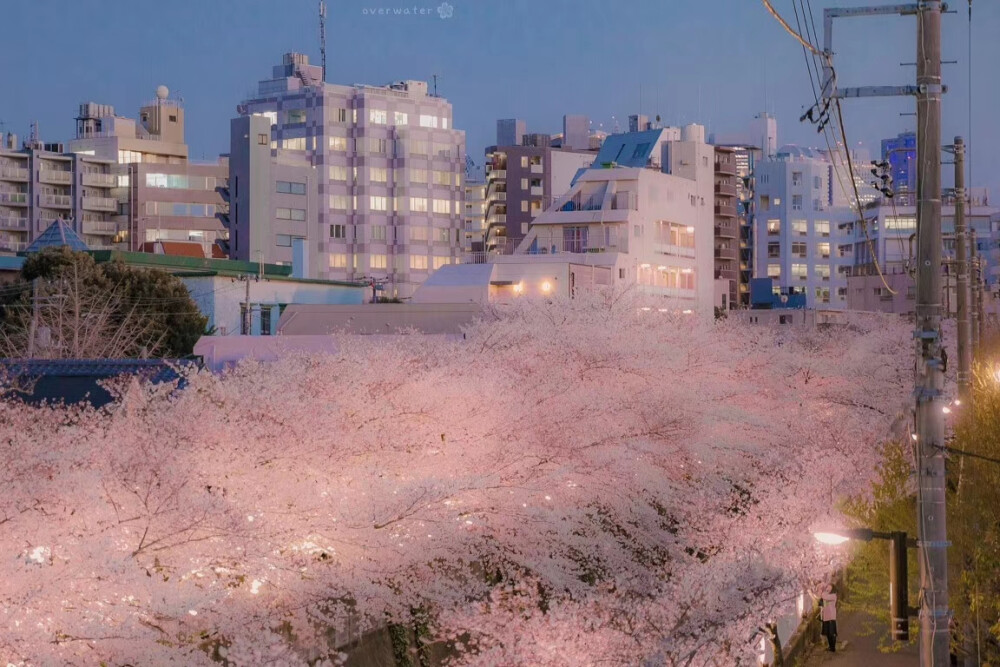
899	607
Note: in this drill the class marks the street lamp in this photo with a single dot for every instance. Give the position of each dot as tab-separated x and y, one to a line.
899	607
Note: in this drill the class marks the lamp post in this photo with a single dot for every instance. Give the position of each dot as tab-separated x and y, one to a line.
899	607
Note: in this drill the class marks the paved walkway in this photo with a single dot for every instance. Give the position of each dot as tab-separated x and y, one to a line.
857	646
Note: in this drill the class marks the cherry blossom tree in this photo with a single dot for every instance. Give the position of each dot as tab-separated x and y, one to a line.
576	482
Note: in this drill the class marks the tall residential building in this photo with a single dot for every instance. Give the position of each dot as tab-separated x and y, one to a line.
474	216
727	226
365	180
798	232
162	195
40	183
521	182
901	154
511	131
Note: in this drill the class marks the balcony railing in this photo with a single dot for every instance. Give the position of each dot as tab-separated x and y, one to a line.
55	176
537	169
99	227
497	219
728	230
725	210
13	198
13	246
537	190
100	203
496	173
100	180
56	201
499	196
725	189
726	253
14	173
13	223
725	167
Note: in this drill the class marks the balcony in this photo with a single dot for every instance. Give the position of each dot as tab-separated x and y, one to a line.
13	198
726	230
12	246
726	254
725	210
100	203
100	180
725	167
55	201
55	176
99	227
537	191
496	219
495	174
727	189
537	169
14	223
14	174
499	196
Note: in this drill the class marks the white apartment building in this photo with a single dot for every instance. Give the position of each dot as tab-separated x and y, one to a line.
798	235
367	179
642	216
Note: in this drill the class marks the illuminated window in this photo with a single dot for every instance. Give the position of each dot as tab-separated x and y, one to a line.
441	261
378	262
338	202
418	204
822	227
418	262
442	206
378	203
400	118
823	250
800	227
428	121
800	271
774	226
338	261
418	175
295	144
418	233
338	173
378	116
337	143
378	232
774	270
378	174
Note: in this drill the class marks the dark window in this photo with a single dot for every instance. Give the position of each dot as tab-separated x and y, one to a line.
173	119
265	321
262	139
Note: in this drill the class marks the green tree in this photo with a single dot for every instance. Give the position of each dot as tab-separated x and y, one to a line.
99	310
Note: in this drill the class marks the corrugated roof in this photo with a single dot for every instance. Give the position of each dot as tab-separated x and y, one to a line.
58	234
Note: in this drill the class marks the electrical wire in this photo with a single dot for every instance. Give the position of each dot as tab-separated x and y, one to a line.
962	452
788	28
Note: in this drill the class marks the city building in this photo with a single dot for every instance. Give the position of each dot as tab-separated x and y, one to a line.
162	195
521	182
41	183
727	227
367	178
798	235
474	216
891	239
901	154
576	132
764	134
511	131
641	216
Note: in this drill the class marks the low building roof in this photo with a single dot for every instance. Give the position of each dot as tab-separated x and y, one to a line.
58	234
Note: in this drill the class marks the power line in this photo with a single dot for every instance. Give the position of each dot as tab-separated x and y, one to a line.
788	28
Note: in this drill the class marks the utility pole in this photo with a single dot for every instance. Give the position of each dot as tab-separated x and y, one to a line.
974	287
933	543
33	327
962	270
246	308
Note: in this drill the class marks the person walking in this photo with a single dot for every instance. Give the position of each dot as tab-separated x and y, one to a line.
827	601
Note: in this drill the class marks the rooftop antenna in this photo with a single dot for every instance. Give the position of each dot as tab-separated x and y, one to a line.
435	85
322	36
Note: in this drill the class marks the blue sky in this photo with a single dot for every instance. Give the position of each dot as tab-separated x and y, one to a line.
701	61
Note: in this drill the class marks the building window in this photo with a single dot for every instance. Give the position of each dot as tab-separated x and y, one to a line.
418	147
338	202
338	174
796	178
774	226
294	144
418	262
441	261
418	175
338	231
823	250
442	177
296	117
774	249
428	121
297	214
291	188
340	115
774	270
378	232
823	294
338	261
637	231
337	143
442	206
400	118
822	227
378	262
444	235
378	175
800	227
524	206
822	271
283	241
796	202
378	203
263	139
378	116
418	233
377	146
418	204
800	271
799	249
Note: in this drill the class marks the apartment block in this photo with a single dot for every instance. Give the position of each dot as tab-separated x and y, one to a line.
40	183
727	227
366	179
798	228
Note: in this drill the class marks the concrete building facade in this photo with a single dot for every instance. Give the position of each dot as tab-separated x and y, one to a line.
798	228
368	178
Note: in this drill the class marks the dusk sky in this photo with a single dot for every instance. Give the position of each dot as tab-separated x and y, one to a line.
704	61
